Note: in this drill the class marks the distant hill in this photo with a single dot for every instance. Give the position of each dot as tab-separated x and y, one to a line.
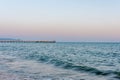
7	39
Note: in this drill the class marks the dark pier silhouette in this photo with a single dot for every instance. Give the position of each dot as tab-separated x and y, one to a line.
23	41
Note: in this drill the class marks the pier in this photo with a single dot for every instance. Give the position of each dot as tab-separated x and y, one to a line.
23	41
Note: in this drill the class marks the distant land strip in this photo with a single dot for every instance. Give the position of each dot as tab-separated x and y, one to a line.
22	41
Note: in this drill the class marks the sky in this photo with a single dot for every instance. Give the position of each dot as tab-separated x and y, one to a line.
60	20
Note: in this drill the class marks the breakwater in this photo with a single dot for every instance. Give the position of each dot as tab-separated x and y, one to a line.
25	41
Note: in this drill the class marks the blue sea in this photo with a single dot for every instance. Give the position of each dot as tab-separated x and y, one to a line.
60	61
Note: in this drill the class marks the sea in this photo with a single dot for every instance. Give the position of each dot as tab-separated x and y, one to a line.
60	61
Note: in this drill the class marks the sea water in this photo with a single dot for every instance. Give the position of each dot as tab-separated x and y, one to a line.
60	61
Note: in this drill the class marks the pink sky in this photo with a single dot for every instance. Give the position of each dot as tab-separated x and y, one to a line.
61	20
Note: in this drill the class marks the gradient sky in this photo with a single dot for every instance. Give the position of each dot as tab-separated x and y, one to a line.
60	20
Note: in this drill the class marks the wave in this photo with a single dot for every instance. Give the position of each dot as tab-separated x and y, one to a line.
69	65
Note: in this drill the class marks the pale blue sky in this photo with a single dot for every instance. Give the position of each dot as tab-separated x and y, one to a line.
61	20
